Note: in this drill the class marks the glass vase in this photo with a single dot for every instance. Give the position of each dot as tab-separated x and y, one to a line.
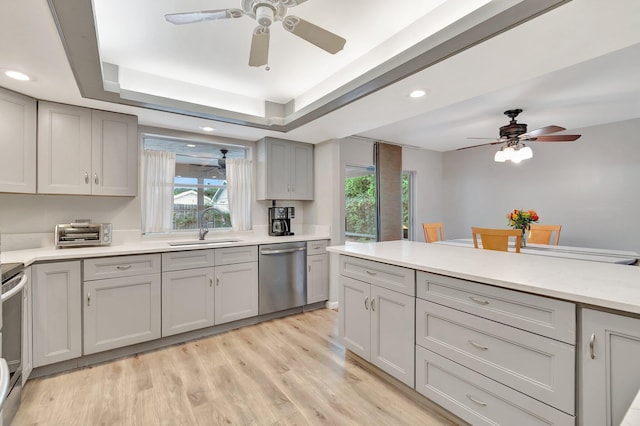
523	240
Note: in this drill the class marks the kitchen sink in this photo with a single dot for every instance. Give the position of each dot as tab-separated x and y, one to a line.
202	242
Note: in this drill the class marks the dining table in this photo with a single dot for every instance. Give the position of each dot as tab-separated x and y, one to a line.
623	257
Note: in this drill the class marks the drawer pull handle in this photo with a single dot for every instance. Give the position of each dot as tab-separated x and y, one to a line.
476	400
366	303
95	178
478	345
88	298
372	273
217	281
373	304
123	267
592	346
86	177
210	281
317	247
479	301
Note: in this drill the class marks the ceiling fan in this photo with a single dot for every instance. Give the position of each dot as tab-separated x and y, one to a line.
265	12
514	135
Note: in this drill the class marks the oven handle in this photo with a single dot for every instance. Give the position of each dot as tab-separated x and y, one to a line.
8	295
4	386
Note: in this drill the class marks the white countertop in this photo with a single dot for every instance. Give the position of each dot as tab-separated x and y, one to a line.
600	284
152	245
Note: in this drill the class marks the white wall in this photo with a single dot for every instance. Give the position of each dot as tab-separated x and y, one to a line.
428	200
591	187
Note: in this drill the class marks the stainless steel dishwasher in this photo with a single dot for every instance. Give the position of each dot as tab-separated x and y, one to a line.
282	278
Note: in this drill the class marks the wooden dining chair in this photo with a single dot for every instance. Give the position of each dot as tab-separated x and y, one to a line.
541	234
496	239
433	232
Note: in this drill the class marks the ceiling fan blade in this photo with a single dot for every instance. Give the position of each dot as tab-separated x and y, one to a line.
482	144
259	54
488	139
543	131
291	3
203	15
322	38
556	138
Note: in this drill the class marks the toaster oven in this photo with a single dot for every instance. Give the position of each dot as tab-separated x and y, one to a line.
82	234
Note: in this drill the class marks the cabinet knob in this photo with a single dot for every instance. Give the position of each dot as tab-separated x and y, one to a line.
86	177
217	281
592	346
373	303
88	298
95	178
210	281
366	303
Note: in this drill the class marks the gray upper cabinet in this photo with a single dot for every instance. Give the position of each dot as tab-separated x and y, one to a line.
17	143
86	152
284	170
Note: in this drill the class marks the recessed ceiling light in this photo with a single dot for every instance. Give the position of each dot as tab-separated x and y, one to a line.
190	145
417	93
17	75
207	128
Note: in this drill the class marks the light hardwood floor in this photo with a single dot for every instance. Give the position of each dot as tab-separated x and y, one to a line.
287	371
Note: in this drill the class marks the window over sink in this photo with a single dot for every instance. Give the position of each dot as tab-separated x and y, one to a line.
200	180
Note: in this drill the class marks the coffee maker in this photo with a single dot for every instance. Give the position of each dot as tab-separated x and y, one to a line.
280	220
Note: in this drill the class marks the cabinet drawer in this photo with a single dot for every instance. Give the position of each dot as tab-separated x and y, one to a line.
535	365
478	399
316	247
121	266
178	260
392	277
541	315
231	255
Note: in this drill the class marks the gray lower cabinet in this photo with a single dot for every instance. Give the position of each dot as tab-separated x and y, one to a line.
236	292
609	366
122	310
57	316
197	294
317	271
187	300
27	328
378	325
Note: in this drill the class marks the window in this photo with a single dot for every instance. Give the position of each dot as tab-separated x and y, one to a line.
407	205
360	204
200	180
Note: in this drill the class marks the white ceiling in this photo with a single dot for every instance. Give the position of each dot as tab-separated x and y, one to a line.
574	66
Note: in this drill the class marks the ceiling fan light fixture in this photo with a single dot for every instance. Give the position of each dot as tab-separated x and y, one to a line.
264	15
500	157
525	153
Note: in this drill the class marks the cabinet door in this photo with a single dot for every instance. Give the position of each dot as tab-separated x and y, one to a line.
56	312
278	186
64	149
392	333
301	175
114	154
187	300
17	143
120	312
27	333
610	361
354	329
317	278
236	292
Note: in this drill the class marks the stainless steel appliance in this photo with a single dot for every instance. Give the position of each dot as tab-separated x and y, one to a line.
280	220
82	233
282	280
13	282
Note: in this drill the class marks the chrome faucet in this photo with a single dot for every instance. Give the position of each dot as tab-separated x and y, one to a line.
203	228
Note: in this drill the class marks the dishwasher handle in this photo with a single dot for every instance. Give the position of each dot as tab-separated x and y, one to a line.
281	251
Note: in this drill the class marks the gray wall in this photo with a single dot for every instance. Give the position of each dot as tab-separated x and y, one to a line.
591	187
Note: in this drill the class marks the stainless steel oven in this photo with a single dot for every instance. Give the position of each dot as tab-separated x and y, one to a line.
13	282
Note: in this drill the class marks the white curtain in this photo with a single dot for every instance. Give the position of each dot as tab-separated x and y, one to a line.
240	190
158	172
